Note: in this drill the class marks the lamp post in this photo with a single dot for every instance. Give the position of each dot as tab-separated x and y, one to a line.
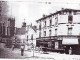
32	44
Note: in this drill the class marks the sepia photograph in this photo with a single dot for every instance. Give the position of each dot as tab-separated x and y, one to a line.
40	29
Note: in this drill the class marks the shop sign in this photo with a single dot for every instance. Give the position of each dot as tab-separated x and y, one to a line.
67	36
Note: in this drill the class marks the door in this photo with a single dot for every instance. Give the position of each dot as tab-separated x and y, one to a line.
67	49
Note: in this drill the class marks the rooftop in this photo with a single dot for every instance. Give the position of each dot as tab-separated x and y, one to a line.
64	10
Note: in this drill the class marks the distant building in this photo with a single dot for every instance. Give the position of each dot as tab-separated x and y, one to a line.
19	37
11	27
7	24
59	31
26	35
31	34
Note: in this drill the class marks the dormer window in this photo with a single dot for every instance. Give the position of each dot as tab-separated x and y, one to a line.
45	23
40	26
70	19
70	12
56	20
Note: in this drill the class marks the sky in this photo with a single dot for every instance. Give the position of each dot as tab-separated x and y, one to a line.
32	10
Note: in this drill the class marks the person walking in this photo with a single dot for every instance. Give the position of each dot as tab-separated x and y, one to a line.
22	49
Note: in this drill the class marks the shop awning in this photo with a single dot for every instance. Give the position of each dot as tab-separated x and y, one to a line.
70	41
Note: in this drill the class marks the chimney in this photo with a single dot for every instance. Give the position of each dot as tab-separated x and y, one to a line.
44	15
62	8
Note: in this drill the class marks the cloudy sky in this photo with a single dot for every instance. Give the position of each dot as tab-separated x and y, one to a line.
32	10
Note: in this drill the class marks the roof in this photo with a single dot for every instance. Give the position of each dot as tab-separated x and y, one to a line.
20	31
32	27
57	13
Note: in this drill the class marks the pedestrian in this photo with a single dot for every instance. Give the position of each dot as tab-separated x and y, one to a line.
70	51
22	49
13	47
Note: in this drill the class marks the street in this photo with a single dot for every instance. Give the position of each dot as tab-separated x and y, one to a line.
8	53
16	54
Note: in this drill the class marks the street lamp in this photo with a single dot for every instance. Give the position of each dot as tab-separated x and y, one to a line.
32	44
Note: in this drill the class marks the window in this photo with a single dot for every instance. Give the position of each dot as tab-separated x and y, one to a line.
39	34
40	26
44	33
70	12
45	23
7	30
0	29
0	14
55	32
49	32
27	37
70	19
74	12
3	30
56	20
50	22
32	37
69	31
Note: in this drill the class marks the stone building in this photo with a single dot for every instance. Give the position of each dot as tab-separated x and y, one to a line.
59	31
20	35
7	23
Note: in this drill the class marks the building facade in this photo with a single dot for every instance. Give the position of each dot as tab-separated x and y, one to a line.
31	34
25	35
7	23
20	36
59	31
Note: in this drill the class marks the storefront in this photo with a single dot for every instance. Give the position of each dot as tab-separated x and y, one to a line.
49	44
61	44
70	43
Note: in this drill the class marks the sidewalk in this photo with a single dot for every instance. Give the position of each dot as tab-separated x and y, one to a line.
51	55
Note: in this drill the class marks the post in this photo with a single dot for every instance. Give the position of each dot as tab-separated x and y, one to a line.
32	45
33	49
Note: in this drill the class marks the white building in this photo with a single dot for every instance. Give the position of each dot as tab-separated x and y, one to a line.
31	35
59	31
